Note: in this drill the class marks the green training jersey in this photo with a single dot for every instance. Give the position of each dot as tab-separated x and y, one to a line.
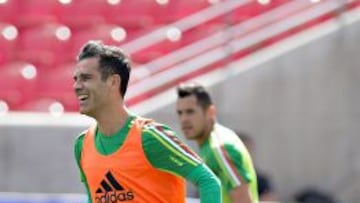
164	151
228	158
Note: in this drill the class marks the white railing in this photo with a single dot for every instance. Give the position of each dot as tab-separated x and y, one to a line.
218	38
184	24
216	54
255	60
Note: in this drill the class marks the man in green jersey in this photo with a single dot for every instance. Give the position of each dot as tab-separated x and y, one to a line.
220	147
100	81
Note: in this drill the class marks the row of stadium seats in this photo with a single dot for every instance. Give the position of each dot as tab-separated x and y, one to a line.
44	44
77	12
39	41
37	60
23	87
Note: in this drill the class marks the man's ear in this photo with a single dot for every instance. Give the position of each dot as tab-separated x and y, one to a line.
212	111
115	81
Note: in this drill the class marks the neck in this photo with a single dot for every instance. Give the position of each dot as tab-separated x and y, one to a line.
110	121
200	141
206	133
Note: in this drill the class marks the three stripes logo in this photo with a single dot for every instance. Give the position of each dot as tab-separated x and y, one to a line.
110	191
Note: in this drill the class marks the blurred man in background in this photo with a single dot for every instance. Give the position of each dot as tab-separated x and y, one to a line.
126	157
220	147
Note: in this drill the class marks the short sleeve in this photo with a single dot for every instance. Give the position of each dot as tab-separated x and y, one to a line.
166	151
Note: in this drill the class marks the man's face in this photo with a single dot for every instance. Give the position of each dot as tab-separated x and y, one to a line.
194	120
90	90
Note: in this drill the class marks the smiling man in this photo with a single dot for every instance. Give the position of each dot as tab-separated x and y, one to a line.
125	157
220	147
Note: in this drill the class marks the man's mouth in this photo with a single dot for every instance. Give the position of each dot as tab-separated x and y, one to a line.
82	98
186	128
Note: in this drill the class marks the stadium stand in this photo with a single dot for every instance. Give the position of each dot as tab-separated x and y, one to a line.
36	12
8	41
8	9
56	86
171	42
18	81
45	44
166	39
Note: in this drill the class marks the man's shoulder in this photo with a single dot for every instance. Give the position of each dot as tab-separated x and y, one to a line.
154	132
223	129
79	144
226	134
80	137
223	138
155	126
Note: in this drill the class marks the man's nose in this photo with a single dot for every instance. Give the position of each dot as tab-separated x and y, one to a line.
183	118
77	86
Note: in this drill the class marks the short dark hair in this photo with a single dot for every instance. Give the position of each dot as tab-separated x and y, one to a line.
199	91
112	60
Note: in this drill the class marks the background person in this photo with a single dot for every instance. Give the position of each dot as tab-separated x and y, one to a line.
220	147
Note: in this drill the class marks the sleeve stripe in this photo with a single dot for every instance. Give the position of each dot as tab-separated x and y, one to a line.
225	162
175	139
171	142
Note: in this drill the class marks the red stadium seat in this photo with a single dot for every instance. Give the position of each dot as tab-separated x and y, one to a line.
18	81
36	12
155	51
8	40
9	11
57	84
108	33
80	14
253	9
202	31
131	14
175	10
40	105
45	45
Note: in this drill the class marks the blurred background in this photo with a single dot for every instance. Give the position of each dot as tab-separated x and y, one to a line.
286	72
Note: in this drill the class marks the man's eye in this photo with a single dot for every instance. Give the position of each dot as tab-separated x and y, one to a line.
86	77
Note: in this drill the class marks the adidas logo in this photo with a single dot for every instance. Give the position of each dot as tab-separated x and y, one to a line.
110	191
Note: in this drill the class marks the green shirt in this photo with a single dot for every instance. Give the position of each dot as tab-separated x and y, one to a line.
228	158
164	151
